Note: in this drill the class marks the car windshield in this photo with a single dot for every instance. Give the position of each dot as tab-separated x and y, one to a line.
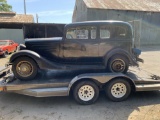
3	42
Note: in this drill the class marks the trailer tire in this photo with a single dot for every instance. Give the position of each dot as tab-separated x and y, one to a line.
118	90
25	68
86	92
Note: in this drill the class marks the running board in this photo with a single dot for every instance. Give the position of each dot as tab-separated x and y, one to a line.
147	87
44	92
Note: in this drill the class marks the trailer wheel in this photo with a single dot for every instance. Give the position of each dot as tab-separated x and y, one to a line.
118	90
86	92
24	68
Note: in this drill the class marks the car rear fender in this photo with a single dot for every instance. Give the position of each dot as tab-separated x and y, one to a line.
119	51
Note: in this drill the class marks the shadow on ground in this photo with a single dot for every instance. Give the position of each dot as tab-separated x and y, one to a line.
65	108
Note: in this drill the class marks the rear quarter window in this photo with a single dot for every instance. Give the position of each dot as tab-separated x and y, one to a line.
113	31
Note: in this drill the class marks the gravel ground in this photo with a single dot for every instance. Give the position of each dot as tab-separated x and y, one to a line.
139	106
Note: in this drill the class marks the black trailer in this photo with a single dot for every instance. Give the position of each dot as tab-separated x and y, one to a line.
85	87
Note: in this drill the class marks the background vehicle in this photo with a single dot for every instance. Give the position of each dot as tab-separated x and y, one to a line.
7	46
106	45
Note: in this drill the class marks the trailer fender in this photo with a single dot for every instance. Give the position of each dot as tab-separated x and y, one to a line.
99	79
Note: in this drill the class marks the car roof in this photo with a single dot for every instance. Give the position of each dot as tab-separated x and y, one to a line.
98	23
5	40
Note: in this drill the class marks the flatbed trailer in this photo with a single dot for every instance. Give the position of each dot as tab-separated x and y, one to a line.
85	87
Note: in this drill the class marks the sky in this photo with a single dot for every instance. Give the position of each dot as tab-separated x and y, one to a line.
49	11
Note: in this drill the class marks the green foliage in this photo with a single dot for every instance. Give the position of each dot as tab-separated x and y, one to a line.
4	6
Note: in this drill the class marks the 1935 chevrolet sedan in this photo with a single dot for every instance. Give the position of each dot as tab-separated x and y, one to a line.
95	45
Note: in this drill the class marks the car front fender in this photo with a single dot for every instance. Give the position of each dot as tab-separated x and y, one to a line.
41	61
28	53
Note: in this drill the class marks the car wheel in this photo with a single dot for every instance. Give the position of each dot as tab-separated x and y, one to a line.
86	92
118	64
5	54
15	49
118	90
25	68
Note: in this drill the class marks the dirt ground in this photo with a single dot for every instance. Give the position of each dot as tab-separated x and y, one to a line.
139	106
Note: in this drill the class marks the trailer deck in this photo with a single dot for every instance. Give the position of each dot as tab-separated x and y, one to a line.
44	87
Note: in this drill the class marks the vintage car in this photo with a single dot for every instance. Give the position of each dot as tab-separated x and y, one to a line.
107	45
7	46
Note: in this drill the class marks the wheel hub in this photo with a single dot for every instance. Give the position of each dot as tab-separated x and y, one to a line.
118	90
86	93
24	68
118	66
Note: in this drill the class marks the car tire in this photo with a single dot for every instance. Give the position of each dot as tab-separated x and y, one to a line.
118	90
25	68
86	92
5	54
118	64
16	49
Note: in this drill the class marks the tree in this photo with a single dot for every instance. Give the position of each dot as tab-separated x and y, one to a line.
4	6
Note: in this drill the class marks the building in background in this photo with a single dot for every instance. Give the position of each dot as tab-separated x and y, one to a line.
143	14
16	34
12	17
18	27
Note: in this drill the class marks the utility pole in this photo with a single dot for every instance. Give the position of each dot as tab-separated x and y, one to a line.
37	17
25	7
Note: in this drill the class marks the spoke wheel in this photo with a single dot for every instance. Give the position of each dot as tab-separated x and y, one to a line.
24	68
86	92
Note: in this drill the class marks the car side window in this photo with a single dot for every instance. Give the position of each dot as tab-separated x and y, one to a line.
71	33
93	32
77	33
104	32
81	33
10	43
121	32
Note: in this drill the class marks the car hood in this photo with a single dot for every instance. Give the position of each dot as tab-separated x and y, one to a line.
2	46
43	44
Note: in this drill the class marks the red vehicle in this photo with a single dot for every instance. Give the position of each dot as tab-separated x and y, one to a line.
7	46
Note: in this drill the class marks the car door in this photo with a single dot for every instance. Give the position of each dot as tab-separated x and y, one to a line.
80	45
112	37
11	46
8	47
